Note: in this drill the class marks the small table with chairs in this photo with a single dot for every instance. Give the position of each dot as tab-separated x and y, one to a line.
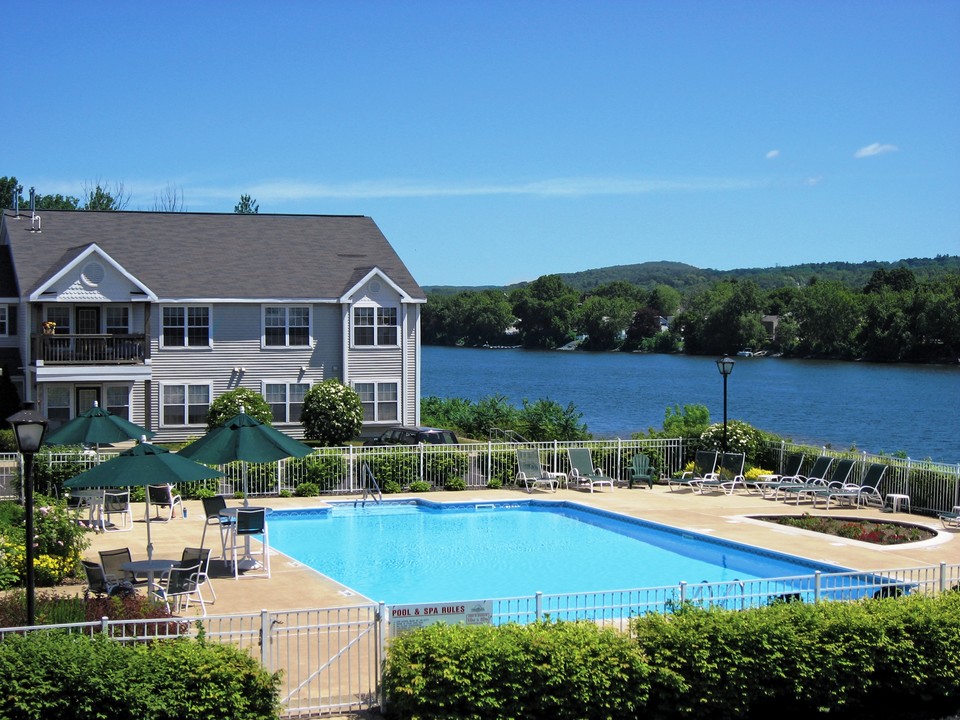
245	522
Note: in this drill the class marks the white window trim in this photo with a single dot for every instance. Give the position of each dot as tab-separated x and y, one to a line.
287	383
286	345
377	382
186	327
376	326
184	384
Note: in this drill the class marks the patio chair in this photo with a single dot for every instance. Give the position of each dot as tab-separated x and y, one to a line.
839	477
250	521
178	586
640	470
99	585
791	471
817	476
583	473
116	502
951	519
727	476
211	509
162	496
112	560
704	465
192	556
853	494
532	474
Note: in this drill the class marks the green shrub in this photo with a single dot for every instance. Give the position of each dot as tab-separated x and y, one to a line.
455	484
53	674
494	484
561	671
332	413
875	658
419	486
53	465
8	441
306	489
391	487
499	466
443	466
227	406
395	466
59	541
326	471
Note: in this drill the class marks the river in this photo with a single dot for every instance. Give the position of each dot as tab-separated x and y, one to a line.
877	408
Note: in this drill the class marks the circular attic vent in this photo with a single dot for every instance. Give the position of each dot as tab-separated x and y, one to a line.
92	274
374	287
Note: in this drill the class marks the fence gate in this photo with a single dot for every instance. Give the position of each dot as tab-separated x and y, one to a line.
330	659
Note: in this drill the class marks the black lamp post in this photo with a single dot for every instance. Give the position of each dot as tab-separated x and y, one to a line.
29	427
725	366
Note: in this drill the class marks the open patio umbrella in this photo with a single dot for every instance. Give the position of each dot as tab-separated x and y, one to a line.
96	426
143	465
244	439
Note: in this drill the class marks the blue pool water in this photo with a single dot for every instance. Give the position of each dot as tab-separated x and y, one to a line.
412	552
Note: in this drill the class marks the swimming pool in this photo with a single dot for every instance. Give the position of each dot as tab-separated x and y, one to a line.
421	551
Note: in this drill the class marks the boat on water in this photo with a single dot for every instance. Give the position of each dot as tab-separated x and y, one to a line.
746	352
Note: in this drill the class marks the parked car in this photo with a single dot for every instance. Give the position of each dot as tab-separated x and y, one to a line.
405	435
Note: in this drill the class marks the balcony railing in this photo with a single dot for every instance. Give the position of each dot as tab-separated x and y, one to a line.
65	349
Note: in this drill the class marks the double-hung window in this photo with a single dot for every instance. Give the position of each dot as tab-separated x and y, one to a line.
285	400
375	326
185	404
58	405
286	326
118	320
380	400
186	326
118	400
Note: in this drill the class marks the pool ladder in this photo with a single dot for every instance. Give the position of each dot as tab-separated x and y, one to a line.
374	492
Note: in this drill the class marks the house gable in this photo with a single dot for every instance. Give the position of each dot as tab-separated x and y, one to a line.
92	276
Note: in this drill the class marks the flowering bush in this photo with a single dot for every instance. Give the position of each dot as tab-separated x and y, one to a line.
753	474
741	438
59	539
332	413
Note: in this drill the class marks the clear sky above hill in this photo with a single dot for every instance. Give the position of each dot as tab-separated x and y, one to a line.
496	141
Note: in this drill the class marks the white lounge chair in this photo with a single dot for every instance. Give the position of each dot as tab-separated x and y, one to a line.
532	474
583	473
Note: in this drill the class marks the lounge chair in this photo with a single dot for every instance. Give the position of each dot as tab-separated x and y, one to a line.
853	494
839	478
817	476
704	465
640	470
951	519
728	475
532	474
791	471
583	473
162	496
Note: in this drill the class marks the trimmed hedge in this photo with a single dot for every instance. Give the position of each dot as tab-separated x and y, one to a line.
896	657
59	675
563	671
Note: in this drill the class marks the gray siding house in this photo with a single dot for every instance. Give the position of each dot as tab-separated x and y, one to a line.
153	315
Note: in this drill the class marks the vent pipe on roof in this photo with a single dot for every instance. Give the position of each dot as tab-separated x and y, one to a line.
35	224
16	200
33	202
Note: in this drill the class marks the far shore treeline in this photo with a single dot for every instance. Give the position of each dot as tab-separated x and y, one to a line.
887	312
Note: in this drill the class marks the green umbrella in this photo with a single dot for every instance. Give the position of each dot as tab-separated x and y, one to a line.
244	439
143	465
95	427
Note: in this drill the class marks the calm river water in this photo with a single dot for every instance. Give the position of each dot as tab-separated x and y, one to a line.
876	408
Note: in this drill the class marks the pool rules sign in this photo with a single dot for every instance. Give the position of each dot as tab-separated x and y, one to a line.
410	617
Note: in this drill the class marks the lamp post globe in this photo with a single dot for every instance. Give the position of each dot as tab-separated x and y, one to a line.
725	366
29	428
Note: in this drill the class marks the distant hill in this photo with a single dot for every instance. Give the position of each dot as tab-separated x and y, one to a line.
685	277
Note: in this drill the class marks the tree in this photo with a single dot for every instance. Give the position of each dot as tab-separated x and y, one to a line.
546	309
246	206
604	320
97	197
9	186
228	405
332	413
170	199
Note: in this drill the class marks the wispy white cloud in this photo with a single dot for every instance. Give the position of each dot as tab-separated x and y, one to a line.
875	149
813	181
772	155
553	187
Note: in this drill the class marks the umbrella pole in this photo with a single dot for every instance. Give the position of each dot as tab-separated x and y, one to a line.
246	486
149	541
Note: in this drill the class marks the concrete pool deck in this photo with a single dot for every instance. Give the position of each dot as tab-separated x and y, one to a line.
293	586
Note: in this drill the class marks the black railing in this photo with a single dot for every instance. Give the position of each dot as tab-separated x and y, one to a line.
64	349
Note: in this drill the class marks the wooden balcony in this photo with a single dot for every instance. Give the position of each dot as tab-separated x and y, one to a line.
63	349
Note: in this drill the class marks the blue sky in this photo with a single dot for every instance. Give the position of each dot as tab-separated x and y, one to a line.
494	142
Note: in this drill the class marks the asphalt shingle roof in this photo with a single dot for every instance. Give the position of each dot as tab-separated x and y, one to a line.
200	255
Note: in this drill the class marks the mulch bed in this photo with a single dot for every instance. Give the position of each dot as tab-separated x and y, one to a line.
871	531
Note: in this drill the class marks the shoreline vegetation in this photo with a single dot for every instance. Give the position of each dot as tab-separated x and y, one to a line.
882	312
